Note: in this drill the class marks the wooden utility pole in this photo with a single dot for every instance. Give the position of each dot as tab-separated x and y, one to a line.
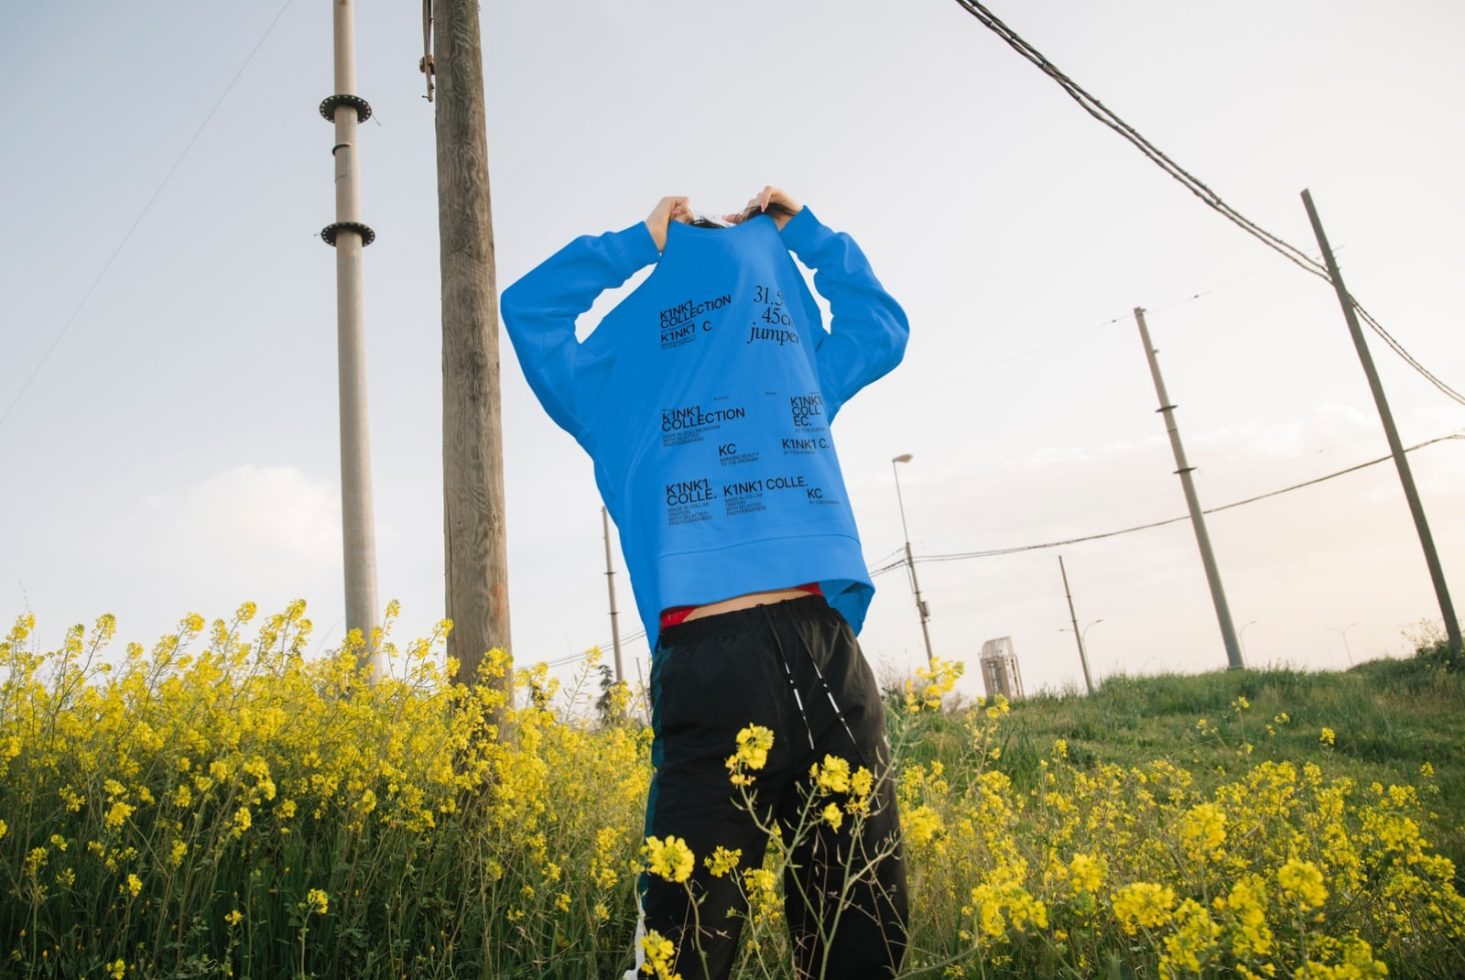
610	584
476	548
346	110
1192	500
1083	656
1401	462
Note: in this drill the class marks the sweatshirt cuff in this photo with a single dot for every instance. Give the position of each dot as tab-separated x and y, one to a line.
635	247
804	232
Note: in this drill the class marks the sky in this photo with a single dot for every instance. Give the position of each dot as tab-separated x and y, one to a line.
168	338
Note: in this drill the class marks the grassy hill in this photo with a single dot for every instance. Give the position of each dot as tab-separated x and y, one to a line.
1388	718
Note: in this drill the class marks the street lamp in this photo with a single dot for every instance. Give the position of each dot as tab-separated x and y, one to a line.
1243	639
1082	635
910	563
1344	634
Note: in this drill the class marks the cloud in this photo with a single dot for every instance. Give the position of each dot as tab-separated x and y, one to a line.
250	513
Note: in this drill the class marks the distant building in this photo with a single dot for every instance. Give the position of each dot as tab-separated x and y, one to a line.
999	669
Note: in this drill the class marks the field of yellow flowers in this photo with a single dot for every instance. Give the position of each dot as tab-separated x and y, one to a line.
222	805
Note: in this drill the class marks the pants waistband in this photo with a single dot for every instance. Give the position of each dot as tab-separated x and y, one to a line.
801	609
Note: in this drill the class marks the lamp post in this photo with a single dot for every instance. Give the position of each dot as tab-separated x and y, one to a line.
910	563
1083	650
1242	636
1344	634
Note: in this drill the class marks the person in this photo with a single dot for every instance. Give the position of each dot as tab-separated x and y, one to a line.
704	400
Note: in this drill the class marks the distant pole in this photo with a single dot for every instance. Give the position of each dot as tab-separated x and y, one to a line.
476	549
1082	656
610	584
1344	634
346	110
910	562
1406	476
1197	518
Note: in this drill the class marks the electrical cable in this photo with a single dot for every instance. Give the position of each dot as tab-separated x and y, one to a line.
997	552
1126	316
141	215
1109	118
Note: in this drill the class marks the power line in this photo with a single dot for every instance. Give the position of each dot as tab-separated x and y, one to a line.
1065	338
997	552
1109	118
141	215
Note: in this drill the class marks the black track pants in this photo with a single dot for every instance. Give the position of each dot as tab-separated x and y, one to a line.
793	667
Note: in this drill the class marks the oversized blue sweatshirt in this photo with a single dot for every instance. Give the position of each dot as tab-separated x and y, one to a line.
705	397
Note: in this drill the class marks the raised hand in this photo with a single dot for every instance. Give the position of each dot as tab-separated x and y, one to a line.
773	201
667	210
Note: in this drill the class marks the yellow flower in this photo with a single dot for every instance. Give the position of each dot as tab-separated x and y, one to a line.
659	952
1086	873
117	814
1143	904
833	776
318	901
1246	907
754	741
1190	946
722	860
134	885
669	858
1203	831
1302	882
833	815
1326	736
179	849
117	968
922	825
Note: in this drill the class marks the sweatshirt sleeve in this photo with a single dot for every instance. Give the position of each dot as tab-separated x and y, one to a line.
539	311
868	329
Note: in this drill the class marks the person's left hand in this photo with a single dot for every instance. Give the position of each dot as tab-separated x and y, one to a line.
759	202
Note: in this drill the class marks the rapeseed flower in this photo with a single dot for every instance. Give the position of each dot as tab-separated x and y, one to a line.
833	776
318	901
721	860
1276	869
753	743
1203	831
1302	883
669	858
1086	873
833	815
659	952
1143	904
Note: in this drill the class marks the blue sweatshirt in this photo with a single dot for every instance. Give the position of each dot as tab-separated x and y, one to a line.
705	397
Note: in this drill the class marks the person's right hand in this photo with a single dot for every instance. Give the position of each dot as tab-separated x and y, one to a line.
667	210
